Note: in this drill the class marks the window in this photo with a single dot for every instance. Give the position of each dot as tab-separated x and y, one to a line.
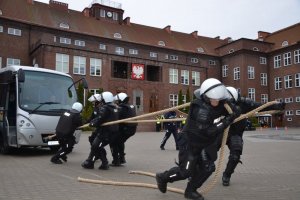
297	80
119	50
297	112
289	112
297	99
173	57
212	62
263	79
277	61
94	91
263	60
12	61
250	72
225	71
133	51
287	58
14	31
278	83
288	81
161	43
153	55
236	73
0	62
195	78
1	29
289	119
62	63
95	67
102	13
285	43
173	76
279	100
79	43
115	16
251	93
65	40
184	77
173	100
79	65
264	98
231	51
166	56
288	100
297	56
117	35
194	60
255	49
64	25
102	46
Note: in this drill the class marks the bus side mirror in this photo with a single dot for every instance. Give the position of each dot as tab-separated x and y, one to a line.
21	76
85	84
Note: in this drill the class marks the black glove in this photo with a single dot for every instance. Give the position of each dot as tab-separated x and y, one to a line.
236	110
279	106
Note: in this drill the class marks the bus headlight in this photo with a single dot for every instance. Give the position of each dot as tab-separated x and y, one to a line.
25	123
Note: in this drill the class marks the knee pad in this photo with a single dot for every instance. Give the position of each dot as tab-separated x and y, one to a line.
208	166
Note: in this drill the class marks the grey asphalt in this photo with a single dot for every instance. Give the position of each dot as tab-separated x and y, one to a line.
270	170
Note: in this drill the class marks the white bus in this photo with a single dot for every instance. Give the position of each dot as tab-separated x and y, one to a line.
31	102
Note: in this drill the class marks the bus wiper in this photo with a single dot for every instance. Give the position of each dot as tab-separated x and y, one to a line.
41	104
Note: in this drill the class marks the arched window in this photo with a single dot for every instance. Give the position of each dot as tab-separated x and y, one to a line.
231	51
161	43
285	43
117	35
255	49
200	49
64	25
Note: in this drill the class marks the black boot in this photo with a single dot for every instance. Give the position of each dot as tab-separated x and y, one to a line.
226	179
191	193
88	164
64	158
56	160
116	162
104	165
161	182
122	159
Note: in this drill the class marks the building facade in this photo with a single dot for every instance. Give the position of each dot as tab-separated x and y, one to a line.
152	65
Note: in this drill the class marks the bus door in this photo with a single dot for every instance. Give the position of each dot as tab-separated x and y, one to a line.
12	114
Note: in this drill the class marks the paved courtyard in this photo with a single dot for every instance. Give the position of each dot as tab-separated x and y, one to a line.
270	170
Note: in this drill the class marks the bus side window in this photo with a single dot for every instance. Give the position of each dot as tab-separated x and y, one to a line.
11	113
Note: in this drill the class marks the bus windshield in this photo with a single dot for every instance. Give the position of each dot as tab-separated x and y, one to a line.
46	92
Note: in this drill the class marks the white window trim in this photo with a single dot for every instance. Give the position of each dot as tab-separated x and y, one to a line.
81	64
14	31
80	43
93	63
225	71
119	50
153	54
173	76
195	78
63	61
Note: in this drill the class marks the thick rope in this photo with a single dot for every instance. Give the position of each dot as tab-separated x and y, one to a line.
132	184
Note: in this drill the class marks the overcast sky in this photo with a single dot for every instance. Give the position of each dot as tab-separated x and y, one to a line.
211	18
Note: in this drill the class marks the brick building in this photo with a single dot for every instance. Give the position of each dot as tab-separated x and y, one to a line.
150	64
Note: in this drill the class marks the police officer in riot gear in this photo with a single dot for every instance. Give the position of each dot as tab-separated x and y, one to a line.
67	124
197	141
126	130
105	134
171	128
96	104
235	136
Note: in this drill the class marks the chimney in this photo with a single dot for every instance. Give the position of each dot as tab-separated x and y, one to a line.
126	21
262	35
86	12
195	34
58	5
168	29
30	2
218	37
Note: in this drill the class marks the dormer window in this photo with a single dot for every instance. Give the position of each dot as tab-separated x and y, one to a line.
161	43
64	25
200	49
118	35
285	43
255	49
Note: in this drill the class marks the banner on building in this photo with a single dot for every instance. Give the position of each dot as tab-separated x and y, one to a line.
137	71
